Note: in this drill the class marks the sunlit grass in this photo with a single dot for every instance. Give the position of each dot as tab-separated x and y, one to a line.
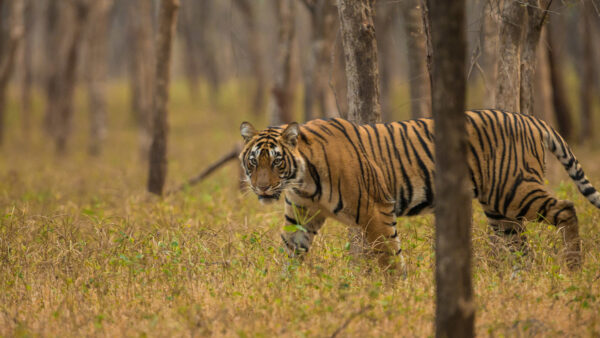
84	250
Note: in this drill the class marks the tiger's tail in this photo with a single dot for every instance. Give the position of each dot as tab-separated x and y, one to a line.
559	147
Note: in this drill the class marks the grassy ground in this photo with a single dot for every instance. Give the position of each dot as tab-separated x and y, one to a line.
84	250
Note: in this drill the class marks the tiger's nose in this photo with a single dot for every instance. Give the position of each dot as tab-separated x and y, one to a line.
262	188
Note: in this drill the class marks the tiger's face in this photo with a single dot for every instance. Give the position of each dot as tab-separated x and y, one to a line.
270	159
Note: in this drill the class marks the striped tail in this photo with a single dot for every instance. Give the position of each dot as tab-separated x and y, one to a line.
559	147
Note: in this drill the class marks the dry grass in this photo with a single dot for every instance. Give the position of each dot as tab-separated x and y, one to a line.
85	251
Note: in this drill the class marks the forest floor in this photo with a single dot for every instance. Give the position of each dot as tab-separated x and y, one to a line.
85	250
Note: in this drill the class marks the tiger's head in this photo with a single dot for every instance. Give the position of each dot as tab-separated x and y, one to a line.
270	159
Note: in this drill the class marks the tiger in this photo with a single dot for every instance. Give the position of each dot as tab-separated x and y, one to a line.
368	175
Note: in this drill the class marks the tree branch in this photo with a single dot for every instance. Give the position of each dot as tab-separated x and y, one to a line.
233	154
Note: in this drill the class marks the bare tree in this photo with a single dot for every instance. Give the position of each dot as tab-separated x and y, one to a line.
489	45
9	44
97	73
142	68
508	81
158	149
362	75
26	79
317	92
420	92
559	99
255	48
360	51
536	13
455	311
282	91
64	102
586	71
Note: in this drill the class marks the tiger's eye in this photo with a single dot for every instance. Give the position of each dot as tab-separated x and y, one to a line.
276	161
252	161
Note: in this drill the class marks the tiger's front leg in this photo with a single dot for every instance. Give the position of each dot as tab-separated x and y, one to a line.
383	237
301	227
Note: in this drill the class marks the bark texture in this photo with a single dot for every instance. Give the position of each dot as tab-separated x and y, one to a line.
455	310
318	96
158	149
559	98
9	44
508	81
255	49
97	73
282	92
64	101
587	69
536	14
142	67
360	54
418	77
489	44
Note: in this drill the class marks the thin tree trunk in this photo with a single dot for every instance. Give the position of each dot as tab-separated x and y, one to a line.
587	71
255	48
362	75
455	309
490	33
26	66
97	77
142	68
64	102
385	18
10	44
318	94
360	51
559	99
282	92
158	149
191	55
420	91
543	89
54	26
509	79
536	14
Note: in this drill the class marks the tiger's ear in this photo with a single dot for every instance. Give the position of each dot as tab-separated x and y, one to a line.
290	134
247	130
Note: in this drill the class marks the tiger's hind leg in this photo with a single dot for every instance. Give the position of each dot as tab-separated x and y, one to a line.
508	234
560	213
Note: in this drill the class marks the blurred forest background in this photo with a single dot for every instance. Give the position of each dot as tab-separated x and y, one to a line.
85	250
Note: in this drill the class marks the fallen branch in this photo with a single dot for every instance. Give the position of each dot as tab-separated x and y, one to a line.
233	154
352	316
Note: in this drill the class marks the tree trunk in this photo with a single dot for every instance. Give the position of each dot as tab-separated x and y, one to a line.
282	92
489	37
455	310
318	94
9	45
418	77
189	29
536	14
543	87
360	52
385	18
559	99
586	73
158	149
52	66
255	48
97	77
64	102
142	66
26	69
362	75
508	82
